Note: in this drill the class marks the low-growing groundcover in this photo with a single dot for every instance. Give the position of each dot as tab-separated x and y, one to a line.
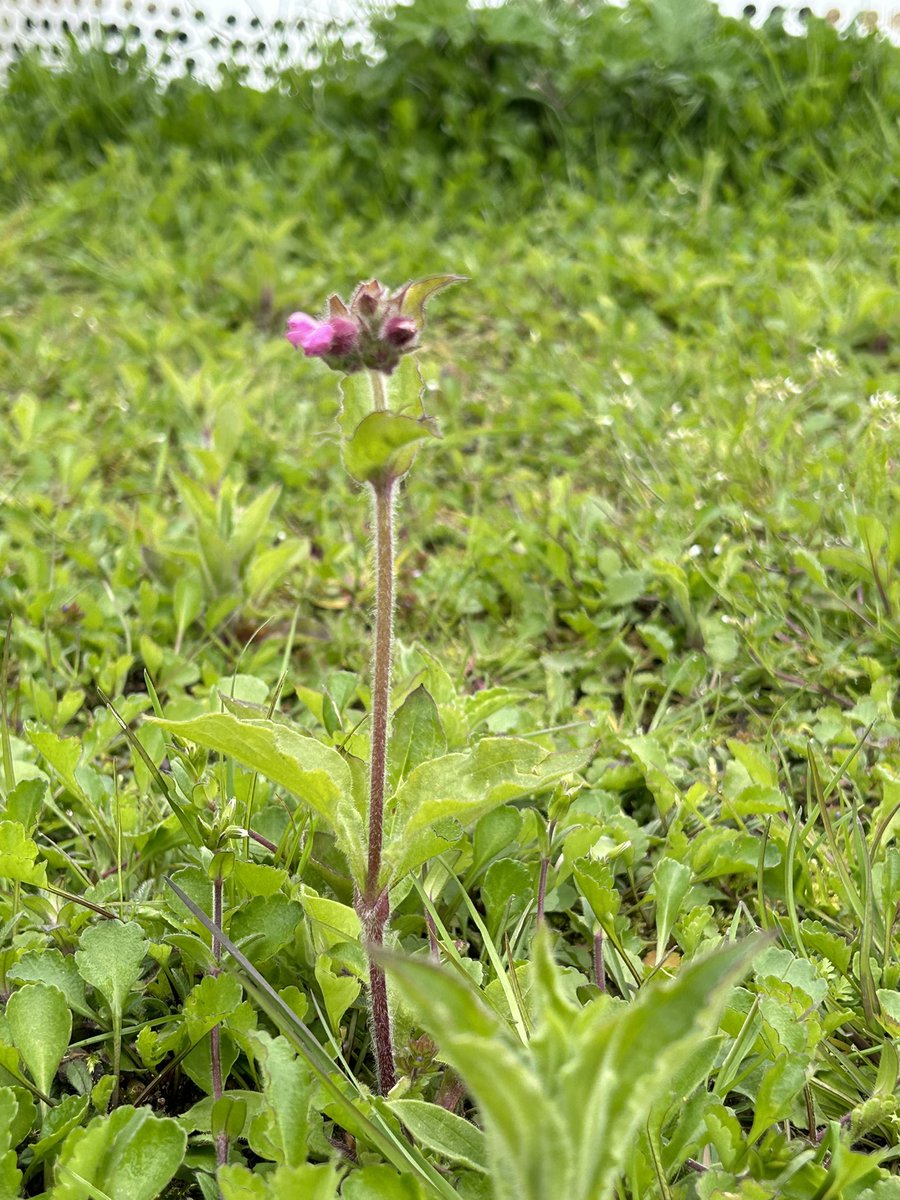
652	557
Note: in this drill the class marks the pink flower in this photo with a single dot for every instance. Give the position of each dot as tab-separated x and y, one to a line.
309	335
319	338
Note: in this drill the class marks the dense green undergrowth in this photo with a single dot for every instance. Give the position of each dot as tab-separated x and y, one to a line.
659	534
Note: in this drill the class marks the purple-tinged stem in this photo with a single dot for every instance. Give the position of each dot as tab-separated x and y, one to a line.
374	908
215	1052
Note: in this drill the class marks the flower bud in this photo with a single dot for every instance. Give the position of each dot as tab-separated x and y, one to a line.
400	331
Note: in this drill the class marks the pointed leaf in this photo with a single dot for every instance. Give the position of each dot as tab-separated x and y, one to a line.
40	1025
416	294
444	1132
417	735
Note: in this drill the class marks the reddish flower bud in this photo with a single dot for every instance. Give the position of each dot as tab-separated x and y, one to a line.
400	331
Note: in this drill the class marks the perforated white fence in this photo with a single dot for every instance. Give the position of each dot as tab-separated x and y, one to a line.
263	36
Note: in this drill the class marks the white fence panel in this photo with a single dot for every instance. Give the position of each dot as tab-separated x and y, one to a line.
263	35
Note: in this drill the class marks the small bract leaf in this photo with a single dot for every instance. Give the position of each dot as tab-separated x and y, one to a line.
383	446
40	1025
416	294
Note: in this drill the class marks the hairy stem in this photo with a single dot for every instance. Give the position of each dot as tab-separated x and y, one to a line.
215	1053
381	681
373	904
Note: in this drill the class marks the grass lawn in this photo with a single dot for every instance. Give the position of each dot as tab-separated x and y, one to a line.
658	537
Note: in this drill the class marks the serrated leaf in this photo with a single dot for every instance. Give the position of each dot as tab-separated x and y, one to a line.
209	1002
257	879
288	1088
779	1088
53	967
59	1123
266	925
17	856
23	804
110	960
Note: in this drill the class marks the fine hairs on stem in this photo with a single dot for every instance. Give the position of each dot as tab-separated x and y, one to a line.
375	908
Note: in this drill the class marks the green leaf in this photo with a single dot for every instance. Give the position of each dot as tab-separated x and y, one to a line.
266	924
16	1127
10	1175
330	921
384	445
560	1114
651	759
53	967
62	754
316	774
338	991
595	882
40	1025
17	856
506	880
60	1121
672	882
463	787
23	804
209	1002
417	294
417	735
110	960
288	1089
457	1140
312	1182
257	879
494	832
129	1155
778	1090
379	1183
